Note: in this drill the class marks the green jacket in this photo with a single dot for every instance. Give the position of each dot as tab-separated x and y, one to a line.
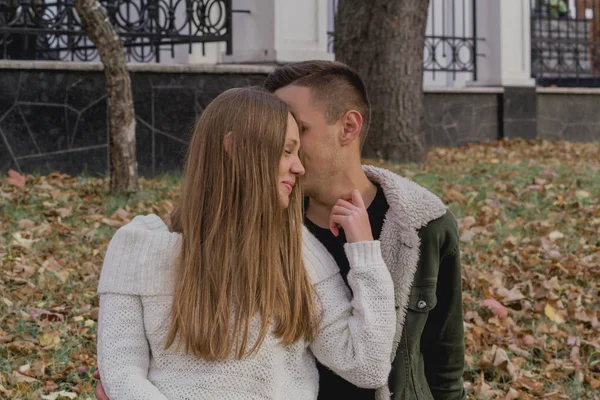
419	242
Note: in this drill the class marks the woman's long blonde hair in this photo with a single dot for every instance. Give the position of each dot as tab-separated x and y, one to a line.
241	251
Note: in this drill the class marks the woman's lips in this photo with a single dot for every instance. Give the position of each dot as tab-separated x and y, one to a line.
288	185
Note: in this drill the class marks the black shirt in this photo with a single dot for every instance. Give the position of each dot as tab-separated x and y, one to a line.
332	386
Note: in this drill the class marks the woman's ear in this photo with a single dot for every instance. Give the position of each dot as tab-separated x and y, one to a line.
227	143
351	126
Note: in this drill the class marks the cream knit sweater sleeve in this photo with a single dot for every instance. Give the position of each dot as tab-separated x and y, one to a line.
123	351
355	332
136	264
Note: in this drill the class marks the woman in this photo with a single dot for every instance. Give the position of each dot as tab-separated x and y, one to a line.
235	299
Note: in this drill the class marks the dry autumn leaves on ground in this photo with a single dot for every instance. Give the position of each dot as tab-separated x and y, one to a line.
529	220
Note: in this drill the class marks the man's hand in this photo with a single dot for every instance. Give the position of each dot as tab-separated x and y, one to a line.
353	218
100	394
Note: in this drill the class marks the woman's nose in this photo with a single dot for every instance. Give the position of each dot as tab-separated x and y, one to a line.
298	168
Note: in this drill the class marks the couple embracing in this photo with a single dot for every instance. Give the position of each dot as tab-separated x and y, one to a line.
287	270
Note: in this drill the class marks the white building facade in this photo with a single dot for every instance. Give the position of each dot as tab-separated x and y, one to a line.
469	42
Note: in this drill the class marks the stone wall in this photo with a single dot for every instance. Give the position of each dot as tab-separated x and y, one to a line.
454	117
569	114
53	116
56	119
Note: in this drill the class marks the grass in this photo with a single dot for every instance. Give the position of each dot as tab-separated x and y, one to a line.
528	211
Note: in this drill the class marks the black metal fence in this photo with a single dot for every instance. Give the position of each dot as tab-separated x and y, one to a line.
565	42
51	29
451	37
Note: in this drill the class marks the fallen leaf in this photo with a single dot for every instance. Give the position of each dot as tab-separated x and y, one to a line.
38	313
6	392
26	224
582	194
549	173
24	368
21	347
45	186
530	384
55	193
88	234
554	255
6	301
552	284
15	179
63	212
58	395
23	270
17	377
496	307
52	265
94	313
484	391
62	275
467	236
453	194
503	363
518	351
89	323
120	214
528	341
39	369
574	354
6	338
512	395
510	296
466	222
556	235
594	383
113	223
553	315
584	315
20	241
510	242
49	339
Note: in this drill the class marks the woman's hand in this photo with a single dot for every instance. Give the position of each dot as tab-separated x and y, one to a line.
352	218
100	394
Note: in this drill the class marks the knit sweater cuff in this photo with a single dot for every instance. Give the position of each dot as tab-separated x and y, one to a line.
364	254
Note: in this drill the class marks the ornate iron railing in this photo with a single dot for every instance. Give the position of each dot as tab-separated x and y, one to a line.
451	37
42	29
565	42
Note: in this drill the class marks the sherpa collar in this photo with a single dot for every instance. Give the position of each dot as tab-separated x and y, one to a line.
411	204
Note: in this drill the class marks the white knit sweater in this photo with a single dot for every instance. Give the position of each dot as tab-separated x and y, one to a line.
136	286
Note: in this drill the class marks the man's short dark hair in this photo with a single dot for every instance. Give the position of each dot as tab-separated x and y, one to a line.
335	85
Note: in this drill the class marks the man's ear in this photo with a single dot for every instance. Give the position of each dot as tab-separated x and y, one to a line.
351	126
227	143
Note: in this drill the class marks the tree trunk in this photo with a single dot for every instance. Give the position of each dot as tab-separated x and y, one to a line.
595	45
384	41
123	164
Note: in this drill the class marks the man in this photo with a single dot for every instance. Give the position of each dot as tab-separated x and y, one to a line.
419	237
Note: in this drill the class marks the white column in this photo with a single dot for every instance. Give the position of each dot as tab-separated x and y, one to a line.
505	27
279	31
213	53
